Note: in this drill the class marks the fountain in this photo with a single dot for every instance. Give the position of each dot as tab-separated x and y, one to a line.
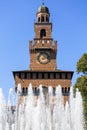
41	114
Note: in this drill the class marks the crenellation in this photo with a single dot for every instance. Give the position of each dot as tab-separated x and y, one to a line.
43	68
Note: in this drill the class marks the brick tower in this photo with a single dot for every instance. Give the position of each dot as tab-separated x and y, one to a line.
43	69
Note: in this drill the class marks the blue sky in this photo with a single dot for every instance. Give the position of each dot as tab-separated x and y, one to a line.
69	19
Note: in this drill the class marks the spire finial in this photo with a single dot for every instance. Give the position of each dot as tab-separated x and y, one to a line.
42	2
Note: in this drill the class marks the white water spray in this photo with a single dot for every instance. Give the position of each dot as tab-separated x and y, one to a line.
40	112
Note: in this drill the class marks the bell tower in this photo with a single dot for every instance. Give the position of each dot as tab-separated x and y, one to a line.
43	48
43	69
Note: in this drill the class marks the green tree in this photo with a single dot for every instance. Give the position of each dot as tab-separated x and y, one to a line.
82	64
81	82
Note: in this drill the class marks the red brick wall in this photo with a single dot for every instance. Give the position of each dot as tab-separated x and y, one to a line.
45	82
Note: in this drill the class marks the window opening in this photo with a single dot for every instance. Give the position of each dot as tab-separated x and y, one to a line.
47	19
43	33
39	19
42	19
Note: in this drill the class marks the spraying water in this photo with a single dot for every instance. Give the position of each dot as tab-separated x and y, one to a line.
41	112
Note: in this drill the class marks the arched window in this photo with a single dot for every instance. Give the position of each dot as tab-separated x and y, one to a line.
47	19
42	33
42	19
39	19
36	91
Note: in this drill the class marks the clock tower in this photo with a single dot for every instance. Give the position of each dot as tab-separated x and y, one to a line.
43	51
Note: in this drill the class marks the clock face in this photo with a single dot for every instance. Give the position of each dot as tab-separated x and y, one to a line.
43	57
